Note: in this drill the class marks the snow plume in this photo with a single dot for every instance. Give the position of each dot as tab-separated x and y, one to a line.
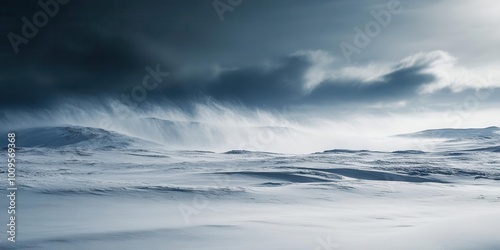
209	125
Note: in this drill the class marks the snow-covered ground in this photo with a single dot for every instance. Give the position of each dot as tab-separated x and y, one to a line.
87	188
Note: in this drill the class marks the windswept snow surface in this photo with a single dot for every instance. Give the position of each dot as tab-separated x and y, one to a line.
88	188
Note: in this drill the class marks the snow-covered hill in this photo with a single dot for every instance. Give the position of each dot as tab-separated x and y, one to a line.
89	188
76	137
475	139
455	134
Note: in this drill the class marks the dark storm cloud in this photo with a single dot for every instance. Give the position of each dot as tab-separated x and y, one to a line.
101	48
283	84
83	64
95	47
260	86
400	84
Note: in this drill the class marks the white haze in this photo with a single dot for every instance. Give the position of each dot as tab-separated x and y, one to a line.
220	127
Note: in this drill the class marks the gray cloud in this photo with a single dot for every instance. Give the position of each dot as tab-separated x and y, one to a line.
284	84
101	48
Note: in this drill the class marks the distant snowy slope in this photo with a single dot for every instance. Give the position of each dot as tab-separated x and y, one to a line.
495	149
472	139
64	136
448	133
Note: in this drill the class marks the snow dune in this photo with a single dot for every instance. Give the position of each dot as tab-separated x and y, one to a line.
91	188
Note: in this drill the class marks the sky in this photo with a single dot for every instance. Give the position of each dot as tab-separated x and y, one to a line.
417	63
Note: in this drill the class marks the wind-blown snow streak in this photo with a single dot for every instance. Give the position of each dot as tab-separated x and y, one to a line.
205	125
